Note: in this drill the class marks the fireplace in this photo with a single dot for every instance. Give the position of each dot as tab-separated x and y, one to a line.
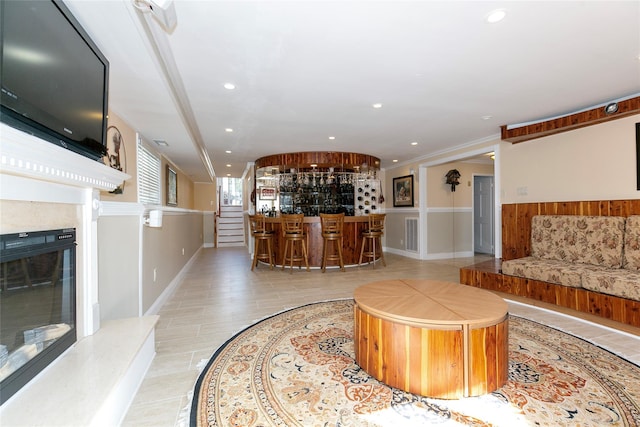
37	303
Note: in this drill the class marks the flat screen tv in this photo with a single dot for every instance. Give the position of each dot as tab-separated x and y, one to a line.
54	78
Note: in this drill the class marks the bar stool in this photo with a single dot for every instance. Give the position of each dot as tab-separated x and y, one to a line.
332	226
295	240
373	235
262	237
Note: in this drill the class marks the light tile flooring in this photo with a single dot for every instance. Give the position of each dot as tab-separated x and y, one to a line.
219	296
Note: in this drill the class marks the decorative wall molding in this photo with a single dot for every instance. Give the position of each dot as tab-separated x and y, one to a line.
26	155
450	210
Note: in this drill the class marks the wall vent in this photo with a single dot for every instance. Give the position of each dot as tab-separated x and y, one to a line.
411	234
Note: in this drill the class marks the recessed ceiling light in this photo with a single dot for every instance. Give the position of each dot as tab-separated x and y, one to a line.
414	143
395	160
228	165
228	174
228	151
332	137
496	16
487	117
229	86
611	108
228	130
313	165
377	105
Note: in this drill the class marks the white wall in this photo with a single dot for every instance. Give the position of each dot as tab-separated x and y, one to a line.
593	163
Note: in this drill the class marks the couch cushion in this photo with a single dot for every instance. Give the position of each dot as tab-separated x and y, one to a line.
621	283
596	240
632	243
551	271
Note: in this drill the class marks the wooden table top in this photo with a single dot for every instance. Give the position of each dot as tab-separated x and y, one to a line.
430	303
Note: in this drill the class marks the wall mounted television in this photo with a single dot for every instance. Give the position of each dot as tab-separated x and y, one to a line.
54	78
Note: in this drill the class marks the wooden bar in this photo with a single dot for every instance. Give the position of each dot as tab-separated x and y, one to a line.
353	227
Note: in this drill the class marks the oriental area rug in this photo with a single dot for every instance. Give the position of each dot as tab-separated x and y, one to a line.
297	368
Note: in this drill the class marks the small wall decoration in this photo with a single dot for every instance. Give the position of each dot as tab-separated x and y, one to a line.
453	177
403	191
172	187
116	154
267	193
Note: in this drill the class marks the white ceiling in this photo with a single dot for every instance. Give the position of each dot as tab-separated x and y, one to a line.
307	70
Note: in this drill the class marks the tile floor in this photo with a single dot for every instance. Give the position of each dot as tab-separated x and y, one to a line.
220	296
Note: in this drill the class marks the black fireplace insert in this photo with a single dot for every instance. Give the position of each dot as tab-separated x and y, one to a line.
37	303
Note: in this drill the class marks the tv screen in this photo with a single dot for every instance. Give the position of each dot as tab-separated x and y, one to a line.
54	79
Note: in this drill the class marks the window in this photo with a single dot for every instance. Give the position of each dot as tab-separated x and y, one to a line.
232	191
148	176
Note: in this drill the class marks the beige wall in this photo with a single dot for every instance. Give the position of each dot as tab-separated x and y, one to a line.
439	193
204	196
17	216
118	260
449	218
591	163
128	161
167	250
448	221
404	170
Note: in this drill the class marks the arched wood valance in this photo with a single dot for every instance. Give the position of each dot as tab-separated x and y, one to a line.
348	162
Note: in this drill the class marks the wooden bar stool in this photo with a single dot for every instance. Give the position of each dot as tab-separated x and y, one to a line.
373	235
263	241
332	226
295	241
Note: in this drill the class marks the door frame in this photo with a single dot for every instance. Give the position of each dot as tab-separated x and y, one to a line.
497	220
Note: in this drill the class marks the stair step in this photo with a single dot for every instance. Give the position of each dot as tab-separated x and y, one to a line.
229	244
230	233
230	220
230	239
230	225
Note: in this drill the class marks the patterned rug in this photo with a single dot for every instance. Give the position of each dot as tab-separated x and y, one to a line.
297	368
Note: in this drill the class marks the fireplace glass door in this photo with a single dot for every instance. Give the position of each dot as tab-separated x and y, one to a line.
37	303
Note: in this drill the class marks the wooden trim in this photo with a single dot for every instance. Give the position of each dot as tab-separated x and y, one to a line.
323	159
516	219
488	276
594	116
516	243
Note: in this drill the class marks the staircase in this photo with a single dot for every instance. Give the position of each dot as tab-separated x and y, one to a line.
230	227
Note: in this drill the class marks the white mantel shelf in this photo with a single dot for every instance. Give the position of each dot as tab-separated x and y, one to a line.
28	156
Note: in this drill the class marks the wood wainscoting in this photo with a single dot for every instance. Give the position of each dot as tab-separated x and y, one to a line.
516	243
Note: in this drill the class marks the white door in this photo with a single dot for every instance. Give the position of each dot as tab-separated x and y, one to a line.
483	201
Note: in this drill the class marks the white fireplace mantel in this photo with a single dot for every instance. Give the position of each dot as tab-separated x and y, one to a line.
35	170
25	155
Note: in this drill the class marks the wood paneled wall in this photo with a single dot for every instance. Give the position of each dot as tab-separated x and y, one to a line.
516	219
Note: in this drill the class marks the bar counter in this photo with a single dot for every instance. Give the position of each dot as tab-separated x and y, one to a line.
352	241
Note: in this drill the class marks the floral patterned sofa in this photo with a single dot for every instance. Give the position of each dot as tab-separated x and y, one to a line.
597	253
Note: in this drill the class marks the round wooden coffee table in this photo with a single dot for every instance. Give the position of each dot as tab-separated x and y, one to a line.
432	338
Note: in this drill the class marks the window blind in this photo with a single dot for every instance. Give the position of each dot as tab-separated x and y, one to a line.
148	176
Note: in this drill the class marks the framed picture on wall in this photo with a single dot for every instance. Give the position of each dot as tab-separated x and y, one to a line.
403	191
267	193
172	187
